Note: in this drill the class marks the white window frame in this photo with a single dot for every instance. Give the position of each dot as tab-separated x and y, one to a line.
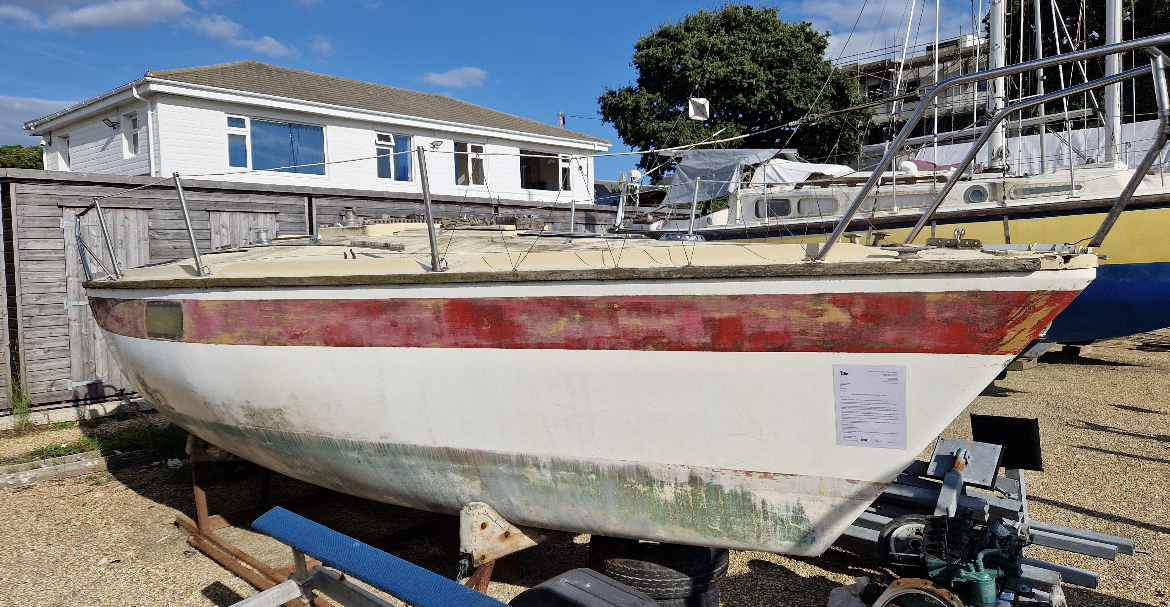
481	156
566	175
246	132
64	160
131	142
393	147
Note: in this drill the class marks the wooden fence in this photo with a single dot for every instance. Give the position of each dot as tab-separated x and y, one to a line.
52	344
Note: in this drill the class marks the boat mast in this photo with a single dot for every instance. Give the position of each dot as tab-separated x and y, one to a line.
1040	87
934	182
1113	91
995	58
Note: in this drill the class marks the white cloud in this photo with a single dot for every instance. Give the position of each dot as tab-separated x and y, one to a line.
15	111
20	14
218	27
266	45
117	13
320	45
460	77
223	29
72	15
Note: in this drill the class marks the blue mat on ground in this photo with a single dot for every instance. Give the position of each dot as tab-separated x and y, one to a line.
402	579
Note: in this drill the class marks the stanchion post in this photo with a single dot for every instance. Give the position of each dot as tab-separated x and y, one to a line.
190	231
426	192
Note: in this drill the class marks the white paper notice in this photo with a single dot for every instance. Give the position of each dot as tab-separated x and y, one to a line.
871	406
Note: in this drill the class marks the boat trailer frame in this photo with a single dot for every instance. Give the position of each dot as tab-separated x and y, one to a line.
942	486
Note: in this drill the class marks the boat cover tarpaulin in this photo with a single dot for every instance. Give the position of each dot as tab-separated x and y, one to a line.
714	172
791	172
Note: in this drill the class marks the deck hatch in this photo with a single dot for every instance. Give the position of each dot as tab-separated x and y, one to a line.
164	319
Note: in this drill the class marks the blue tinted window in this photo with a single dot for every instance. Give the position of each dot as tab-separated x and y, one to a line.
238	151
235	123
385	169
277	145
402	160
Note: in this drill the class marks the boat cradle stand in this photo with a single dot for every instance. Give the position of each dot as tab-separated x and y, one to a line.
484	541
962	478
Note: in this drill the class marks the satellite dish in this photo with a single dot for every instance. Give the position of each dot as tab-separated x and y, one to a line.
635	175
698	108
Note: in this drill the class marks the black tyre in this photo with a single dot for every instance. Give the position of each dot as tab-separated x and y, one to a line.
709	598
663	571
900	544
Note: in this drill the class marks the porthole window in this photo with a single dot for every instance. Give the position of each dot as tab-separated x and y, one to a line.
767	208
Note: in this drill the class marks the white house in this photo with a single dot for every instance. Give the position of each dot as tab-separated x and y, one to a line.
257	123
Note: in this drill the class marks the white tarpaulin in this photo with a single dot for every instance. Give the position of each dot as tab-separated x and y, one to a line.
1024	153
782	170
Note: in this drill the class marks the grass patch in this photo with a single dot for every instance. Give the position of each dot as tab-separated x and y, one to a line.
21	405
163	442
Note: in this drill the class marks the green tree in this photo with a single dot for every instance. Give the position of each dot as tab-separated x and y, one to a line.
758	72
21	157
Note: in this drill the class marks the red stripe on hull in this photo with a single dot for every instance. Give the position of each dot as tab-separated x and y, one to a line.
965	322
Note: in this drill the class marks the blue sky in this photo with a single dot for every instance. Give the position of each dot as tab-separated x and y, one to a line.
532	59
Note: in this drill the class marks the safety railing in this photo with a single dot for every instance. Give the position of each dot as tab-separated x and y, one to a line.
1147	44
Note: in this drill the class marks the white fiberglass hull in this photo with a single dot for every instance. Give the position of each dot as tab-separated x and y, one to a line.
694	439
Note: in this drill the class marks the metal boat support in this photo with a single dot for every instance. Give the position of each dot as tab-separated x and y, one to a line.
485	536
960	479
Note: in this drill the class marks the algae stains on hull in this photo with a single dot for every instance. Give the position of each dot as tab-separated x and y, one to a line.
729	508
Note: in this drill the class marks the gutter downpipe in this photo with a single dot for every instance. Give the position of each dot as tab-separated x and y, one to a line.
1003	114
1011	70
149	128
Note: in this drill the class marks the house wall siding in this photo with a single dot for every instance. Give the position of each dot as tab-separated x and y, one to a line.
96	148
193	141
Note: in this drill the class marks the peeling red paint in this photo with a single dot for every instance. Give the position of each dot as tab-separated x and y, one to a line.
964	322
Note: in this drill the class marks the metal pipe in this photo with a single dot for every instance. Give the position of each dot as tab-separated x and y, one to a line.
190	231
97	204
996	57
81	248
1004	113
621	210
426	192
694	205
1010	70
1113	92
314	230
149	129
1159	71
1036	21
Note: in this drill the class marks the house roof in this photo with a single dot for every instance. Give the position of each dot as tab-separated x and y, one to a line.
264	79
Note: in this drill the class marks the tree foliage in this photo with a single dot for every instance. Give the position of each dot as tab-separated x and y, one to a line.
21	157
758	72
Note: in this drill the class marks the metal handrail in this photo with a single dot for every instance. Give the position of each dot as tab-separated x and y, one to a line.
1010	70
1000	117
1158	64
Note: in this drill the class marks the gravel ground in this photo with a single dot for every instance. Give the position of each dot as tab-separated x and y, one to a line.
106	540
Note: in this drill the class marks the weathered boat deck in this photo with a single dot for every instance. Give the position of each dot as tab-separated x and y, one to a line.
400	253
